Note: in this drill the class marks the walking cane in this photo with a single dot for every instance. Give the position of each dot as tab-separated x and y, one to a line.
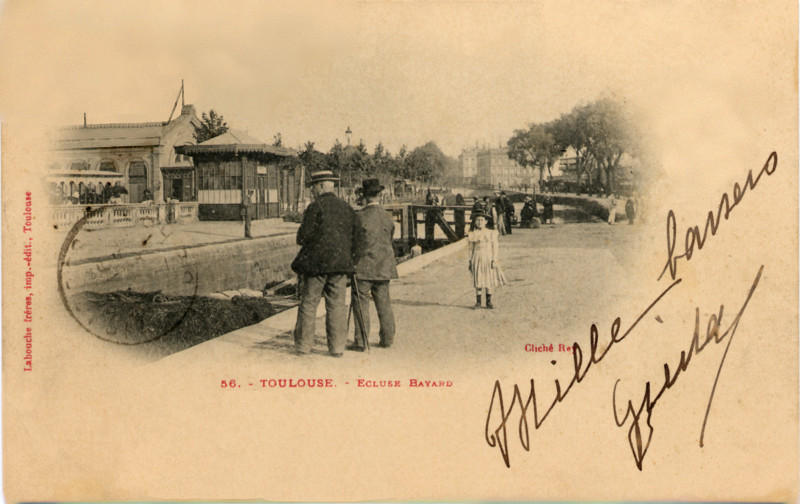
357	310
349	316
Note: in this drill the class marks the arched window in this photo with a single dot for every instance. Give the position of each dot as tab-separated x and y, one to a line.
137	181
182	159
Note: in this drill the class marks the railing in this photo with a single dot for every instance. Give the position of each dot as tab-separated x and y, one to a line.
128	215
187	211
432	216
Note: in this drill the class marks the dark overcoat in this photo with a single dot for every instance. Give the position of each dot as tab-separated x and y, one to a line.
326	237
508	206
373	251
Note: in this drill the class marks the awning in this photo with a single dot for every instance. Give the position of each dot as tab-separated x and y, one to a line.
236	149
83	174
177	172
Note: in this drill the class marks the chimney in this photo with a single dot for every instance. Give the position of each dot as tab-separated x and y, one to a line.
188	110
84	119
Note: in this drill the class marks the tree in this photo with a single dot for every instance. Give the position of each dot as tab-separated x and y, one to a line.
359	162
425	163
399	166
608	135
383	166
602	133
534	147
380	159
335	159
312	159
277	140
212	125
570	131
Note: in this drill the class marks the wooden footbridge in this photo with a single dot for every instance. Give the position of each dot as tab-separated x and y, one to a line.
450	219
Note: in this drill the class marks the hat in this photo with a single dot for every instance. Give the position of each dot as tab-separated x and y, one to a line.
372	187
321	176
502	193
528	198
480	213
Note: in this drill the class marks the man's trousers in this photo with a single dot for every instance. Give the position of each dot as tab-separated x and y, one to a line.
383	304
312	288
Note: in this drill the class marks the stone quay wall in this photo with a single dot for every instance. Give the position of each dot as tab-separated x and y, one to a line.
197	269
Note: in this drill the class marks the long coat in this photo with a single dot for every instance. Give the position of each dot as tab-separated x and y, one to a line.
508	206
326	237
373	250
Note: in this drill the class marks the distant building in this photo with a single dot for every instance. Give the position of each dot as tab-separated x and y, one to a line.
140	157
468	166
496	170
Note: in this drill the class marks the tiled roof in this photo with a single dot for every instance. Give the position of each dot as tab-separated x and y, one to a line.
115	125
235	148
234	142
233	136
143	134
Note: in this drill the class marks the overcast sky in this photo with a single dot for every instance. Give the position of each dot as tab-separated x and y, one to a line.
394	72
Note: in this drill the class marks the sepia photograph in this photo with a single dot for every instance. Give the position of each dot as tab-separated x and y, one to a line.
394	251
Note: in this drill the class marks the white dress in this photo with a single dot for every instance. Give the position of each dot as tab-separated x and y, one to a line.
483	250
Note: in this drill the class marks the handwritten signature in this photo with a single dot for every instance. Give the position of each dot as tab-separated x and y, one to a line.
636	437
639	435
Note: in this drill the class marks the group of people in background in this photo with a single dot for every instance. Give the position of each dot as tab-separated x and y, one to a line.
631	208
500	213
530	211
90	195
435	199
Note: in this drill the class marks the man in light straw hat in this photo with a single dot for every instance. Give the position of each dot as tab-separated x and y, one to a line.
323	265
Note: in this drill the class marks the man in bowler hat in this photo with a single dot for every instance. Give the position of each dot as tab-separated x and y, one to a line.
374	264
508	210
323	265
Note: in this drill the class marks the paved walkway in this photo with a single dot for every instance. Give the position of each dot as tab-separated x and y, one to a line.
557	274
142	239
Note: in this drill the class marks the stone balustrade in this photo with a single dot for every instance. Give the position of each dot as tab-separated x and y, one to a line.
127	215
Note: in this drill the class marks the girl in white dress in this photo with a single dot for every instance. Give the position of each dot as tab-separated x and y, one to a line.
486	272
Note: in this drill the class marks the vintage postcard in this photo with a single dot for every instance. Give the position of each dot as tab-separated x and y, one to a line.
400	251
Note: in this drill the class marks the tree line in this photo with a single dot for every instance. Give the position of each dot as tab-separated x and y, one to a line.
425	164
602	134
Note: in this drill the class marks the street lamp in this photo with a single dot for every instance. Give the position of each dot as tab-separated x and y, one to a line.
349	168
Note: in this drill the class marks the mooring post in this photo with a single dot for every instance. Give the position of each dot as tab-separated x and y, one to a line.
459	215
407	218
430	225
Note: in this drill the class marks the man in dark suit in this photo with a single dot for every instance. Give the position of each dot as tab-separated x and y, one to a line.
508	210
498	211
323	265
247	211
374	264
